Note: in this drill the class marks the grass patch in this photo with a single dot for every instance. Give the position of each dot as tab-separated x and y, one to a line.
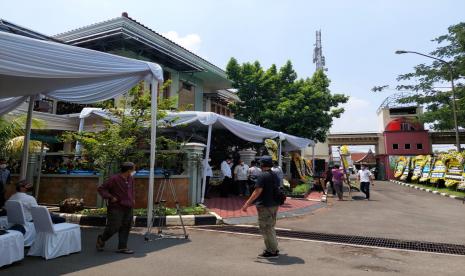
442	190
194	210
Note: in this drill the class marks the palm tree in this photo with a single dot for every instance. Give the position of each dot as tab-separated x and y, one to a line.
12	135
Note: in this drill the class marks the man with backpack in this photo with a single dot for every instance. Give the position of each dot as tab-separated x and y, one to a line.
267	197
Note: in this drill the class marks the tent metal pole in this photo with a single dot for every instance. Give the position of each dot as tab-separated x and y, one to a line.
39	173
153	140
313	160
205	162
280	160
27	139
77	150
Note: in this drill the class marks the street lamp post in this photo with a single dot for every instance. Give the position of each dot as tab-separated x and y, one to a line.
451	73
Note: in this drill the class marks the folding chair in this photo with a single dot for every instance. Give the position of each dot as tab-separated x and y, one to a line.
15	214
53	240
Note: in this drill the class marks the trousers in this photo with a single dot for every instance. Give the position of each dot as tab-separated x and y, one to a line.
266	223
365	188
119	220
338	187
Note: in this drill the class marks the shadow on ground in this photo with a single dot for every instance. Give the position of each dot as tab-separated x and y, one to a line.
89	257
283	259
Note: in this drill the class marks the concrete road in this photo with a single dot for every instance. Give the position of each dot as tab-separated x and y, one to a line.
209	253
394	211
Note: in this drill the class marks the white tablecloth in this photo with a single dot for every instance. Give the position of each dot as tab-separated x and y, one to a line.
11	247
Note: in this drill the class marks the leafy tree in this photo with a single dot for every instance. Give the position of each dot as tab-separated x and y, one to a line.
277	99
12	135
126	136
437	102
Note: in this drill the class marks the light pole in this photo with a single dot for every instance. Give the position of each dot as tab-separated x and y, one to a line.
451	73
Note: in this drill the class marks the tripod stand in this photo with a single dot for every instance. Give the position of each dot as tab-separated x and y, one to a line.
160	211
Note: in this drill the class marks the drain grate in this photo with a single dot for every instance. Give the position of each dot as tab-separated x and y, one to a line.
444	248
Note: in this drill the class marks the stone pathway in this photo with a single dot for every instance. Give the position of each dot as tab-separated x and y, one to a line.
230	207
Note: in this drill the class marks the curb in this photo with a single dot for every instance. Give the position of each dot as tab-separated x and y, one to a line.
189	220
426	190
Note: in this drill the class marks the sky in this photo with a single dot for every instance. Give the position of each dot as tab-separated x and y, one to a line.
359	37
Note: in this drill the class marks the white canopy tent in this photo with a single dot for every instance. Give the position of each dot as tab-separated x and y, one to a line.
30	67
210	120
243	130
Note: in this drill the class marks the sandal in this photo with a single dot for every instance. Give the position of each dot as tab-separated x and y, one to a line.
125	251
100	243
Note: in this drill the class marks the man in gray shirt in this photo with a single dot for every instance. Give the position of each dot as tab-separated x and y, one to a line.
279	172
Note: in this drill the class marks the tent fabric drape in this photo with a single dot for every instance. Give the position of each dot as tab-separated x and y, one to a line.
31	67
8	104
243	130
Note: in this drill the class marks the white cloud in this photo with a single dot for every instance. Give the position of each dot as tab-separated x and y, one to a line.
359	116
190	41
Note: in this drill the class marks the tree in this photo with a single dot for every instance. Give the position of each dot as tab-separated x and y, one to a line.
12	135
126	136
277	99
436	101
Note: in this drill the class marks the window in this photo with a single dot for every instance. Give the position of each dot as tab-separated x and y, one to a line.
395	146
419	146
407	146
44	105
405	127
186	96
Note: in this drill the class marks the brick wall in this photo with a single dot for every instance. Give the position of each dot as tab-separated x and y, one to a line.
55	189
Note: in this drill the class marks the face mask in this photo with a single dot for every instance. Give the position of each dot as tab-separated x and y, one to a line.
3	166
133	173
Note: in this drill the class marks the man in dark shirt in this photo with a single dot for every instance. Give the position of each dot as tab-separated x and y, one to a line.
119	191
264	197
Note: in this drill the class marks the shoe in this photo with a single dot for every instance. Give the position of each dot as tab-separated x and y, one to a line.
125	251
100	243
269	255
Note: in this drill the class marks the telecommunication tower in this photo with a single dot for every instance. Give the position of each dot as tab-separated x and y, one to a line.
318	57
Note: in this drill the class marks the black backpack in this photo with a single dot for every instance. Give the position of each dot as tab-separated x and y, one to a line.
279	195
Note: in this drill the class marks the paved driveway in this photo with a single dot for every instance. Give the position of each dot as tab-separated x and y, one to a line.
209	253
395	211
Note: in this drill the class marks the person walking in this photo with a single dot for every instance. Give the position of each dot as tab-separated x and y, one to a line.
227	184
253	173
119	191
338	177
264	198
329	178
364	176
279	172
240	175
5	178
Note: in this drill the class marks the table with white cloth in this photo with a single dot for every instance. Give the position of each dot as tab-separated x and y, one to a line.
11	247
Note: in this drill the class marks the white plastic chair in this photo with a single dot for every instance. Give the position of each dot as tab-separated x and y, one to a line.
15	214
53	240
